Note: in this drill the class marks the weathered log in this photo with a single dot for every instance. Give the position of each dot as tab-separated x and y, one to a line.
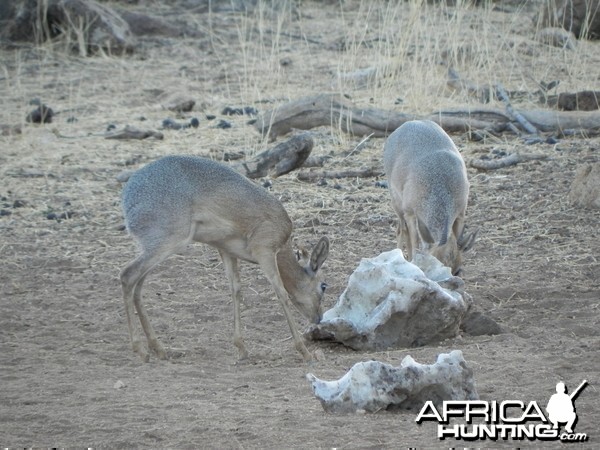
510	160
582	17
134	133
360	173
336	111
279	160
545	120
579	101
89	24
328	110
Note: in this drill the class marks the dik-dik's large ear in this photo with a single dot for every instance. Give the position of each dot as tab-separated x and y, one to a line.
465	243
319	254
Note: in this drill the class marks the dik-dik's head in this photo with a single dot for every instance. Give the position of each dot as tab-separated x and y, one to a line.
307	288
450	254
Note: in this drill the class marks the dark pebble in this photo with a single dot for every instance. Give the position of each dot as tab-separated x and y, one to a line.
194	122
41	114
61	216
172	125
210	117
248	110
381	184
223	124
5	212
229	111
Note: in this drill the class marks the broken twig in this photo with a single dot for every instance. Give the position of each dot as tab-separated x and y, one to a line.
510	160
361	173
134	133
516	115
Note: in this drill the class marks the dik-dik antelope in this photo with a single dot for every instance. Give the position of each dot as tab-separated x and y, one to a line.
427	179
180	199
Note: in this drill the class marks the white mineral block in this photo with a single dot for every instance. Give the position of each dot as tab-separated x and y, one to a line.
390	302
372	386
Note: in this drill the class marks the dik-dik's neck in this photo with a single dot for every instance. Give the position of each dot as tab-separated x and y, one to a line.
290	270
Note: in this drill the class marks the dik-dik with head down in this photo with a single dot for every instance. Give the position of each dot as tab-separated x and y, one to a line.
427	179
181	199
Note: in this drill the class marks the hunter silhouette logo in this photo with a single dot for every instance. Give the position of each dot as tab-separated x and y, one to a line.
560	407
510	419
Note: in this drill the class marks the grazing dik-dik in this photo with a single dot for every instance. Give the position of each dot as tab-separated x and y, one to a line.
427	179
180	199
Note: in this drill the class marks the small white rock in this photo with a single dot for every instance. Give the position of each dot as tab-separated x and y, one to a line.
373	386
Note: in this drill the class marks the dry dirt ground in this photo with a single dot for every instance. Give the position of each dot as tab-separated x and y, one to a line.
63	337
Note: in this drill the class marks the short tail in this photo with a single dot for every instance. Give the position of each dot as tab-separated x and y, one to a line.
436	236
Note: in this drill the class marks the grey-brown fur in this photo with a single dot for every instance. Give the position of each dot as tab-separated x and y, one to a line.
180	199
427	179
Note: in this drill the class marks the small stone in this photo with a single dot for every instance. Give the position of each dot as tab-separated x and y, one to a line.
373	386
42	114
223	124
124	176
119	385
172	125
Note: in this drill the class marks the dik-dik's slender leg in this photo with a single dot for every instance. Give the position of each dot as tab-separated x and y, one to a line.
268	263
129	280
233	275
153	343
132	278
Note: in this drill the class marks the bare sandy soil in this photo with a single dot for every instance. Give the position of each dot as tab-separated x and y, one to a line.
63	337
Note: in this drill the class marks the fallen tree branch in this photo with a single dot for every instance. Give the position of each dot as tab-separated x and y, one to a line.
510	160
527	126
336	111
328	110
134	133
360	173
279	160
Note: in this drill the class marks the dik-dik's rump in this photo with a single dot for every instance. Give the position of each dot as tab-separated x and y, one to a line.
428	184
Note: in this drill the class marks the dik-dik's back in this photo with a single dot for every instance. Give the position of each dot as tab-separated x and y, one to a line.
428	184
177	192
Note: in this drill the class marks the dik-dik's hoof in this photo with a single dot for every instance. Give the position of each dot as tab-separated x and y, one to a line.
140	350
242	352
306	355
157	348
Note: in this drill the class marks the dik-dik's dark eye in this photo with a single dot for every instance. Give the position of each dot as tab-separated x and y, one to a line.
323	286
